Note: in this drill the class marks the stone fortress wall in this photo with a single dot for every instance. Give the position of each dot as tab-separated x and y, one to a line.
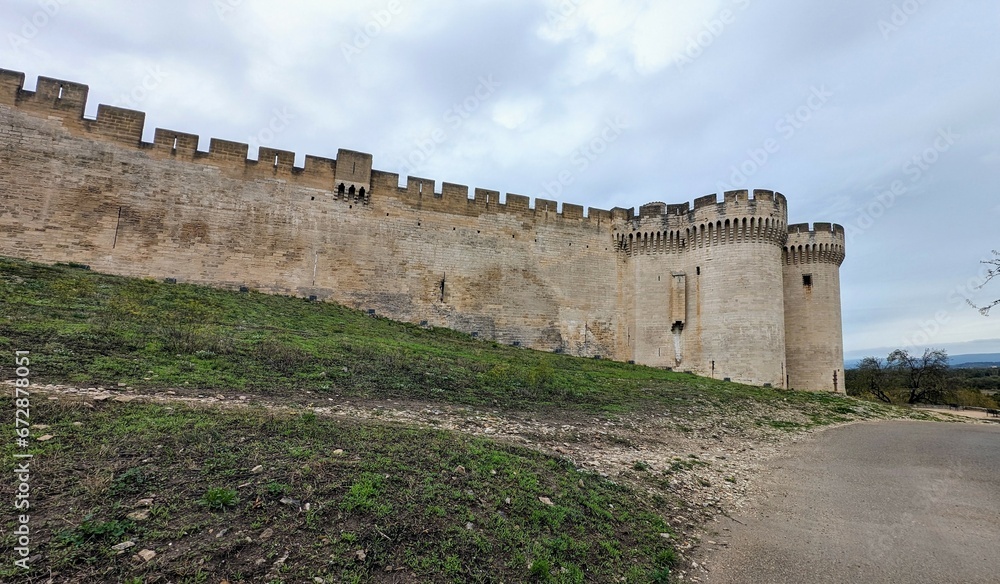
716	288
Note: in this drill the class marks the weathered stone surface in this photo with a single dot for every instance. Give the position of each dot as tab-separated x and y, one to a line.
714	287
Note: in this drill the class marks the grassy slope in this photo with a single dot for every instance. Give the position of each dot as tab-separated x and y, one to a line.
95	329
394	493
397	494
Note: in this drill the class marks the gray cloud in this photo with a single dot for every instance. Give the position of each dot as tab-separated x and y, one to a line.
697	91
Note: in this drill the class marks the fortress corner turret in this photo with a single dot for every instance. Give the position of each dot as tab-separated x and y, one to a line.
813	331
707	291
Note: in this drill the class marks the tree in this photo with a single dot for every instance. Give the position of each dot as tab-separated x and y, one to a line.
924	378
873	377
992	272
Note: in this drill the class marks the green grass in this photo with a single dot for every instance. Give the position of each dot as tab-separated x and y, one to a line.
394	494
96	329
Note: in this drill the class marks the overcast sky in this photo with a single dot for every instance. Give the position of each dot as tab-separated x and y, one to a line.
880	115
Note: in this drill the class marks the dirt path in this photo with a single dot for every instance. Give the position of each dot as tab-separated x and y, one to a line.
977	414
885	502
707	466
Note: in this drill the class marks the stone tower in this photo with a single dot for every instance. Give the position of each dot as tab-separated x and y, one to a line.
707	286
814	343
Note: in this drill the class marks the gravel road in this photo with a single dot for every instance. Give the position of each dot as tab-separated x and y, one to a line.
883	502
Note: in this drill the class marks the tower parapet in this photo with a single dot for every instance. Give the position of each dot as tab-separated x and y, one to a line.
663	228
824	243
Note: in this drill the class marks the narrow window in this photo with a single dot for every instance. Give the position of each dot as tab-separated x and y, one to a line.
350	191
175	145
697	271
340	190
362	192
60	91
442	289
807	280
276	161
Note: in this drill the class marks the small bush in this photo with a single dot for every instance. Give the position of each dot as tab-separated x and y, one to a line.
541	376
219	498
277	489
661	576
666	558
93	532
188	339
664	561
541	570
281	358
131	482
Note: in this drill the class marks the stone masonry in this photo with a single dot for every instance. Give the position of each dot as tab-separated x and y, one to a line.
723	289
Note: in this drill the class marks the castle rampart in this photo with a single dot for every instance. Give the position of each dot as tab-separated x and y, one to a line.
695	286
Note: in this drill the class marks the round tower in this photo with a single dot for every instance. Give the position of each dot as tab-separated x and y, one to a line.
708	286
814	337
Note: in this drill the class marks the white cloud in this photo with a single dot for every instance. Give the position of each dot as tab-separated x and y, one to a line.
665	28
514	113
638	35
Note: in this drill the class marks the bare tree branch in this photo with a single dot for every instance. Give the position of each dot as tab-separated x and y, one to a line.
992	272
874	378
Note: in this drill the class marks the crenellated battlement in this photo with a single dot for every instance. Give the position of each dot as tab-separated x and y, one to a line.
66	100
820	228
350	176
708	208
823	243
422	194
738	218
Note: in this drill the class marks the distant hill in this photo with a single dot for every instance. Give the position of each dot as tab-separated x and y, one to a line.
968	361
975	360
977	365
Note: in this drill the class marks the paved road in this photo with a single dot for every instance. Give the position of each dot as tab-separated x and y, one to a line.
887	502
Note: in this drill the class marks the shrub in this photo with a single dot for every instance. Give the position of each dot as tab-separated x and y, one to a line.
541	570
219	498
131	482
282	358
